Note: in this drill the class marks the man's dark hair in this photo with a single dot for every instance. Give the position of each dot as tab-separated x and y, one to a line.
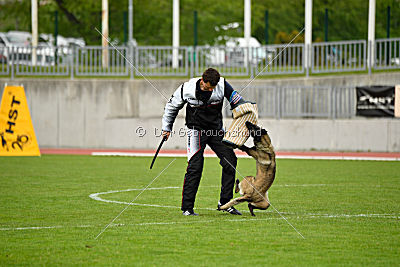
211	75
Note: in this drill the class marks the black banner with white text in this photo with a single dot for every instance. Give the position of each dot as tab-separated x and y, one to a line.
375	101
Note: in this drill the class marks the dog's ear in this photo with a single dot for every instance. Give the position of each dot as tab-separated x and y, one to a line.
263	131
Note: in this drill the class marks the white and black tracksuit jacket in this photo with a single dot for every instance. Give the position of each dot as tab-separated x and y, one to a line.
203	112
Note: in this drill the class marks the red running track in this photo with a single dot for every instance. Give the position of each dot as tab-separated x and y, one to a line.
182	153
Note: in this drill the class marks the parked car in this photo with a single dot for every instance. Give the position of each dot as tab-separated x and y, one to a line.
19	38
257	52
16	44
4	43
63	41
395	61
73	42
234	52
21	42
63	51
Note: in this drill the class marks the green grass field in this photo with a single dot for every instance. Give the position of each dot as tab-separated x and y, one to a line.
348	212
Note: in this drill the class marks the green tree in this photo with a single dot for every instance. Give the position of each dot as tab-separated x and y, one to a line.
348	20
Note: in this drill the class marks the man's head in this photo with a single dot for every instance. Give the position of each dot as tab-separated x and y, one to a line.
209	79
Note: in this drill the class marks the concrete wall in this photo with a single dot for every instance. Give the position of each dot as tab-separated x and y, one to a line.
293	134
105	113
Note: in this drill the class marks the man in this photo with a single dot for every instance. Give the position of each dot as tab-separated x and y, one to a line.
204	98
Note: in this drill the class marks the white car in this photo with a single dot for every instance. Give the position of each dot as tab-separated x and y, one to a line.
395	61
234	53
14	45
21	45
4	43
19	38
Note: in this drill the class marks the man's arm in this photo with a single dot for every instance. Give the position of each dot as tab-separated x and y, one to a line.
171	110
234	98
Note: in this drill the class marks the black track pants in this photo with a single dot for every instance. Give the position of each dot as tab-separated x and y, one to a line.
197	141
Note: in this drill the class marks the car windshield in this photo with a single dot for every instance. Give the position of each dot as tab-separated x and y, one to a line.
5	37
16	38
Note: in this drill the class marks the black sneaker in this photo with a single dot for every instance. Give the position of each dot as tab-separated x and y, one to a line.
189	213
231	210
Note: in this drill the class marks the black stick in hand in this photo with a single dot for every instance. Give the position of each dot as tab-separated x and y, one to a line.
158	150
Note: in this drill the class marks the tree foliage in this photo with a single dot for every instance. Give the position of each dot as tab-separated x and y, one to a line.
348	20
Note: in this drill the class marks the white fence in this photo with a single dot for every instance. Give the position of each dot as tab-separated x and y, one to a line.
304	102
93	61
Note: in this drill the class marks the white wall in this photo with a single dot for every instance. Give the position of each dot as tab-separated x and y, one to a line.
101	113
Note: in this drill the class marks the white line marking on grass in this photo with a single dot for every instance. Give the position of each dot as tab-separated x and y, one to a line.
42	227
294	216
265	198
340	158
96	196
206	221
300	185
390	216
133	200
30	228
130	224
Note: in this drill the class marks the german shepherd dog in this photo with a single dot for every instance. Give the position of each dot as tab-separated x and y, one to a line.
254	189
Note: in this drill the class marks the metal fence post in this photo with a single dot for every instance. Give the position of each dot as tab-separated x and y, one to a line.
196	63
71	63
136	63
312	55
192	56
332	111
306	61
252	50
12	62
131	69
369	57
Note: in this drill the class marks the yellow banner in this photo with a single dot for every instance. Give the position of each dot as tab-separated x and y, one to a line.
17	135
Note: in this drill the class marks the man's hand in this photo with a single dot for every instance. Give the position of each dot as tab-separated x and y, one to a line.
166	134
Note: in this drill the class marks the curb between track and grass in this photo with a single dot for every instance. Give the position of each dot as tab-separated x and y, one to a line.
377	156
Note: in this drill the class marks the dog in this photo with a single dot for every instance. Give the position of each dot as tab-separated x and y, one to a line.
254	190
